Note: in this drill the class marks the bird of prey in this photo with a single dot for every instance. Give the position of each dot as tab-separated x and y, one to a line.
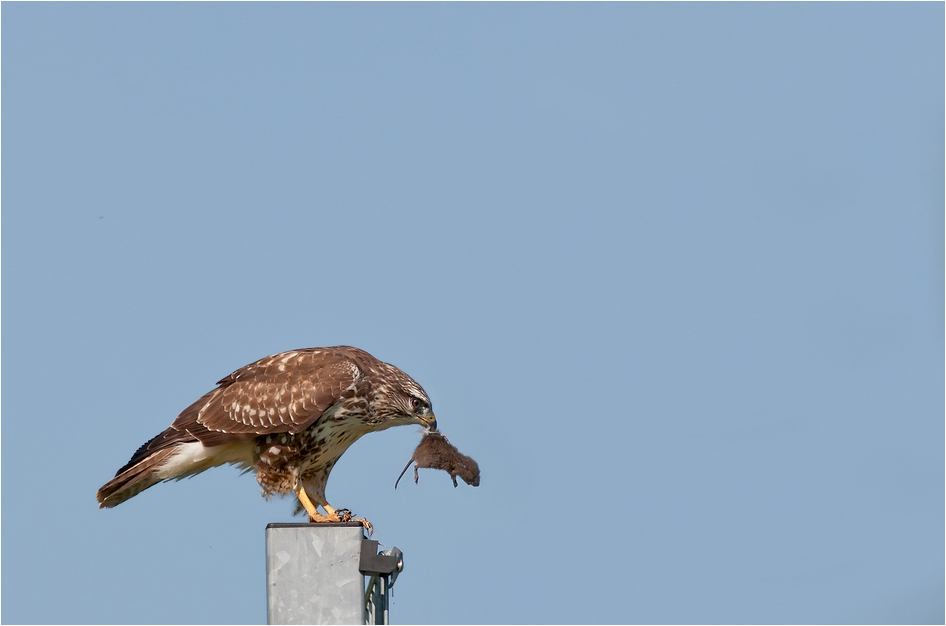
288	417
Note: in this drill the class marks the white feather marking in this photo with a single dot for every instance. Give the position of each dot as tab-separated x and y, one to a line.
193	457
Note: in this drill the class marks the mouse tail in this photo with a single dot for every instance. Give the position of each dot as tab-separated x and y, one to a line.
402	473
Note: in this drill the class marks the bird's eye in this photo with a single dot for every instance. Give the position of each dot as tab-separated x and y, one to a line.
416	403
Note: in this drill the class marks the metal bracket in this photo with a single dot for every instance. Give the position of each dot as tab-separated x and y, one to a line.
388	563
383	569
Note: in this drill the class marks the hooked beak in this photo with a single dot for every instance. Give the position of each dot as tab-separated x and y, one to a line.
430	422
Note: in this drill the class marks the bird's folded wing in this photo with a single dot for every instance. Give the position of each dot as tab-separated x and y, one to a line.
286	392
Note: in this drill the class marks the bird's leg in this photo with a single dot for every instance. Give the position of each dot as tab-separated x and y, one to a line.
313	512
342	515
307	504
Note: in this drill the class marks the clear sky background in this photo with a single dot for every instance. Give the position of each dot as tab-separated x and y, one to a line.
672	273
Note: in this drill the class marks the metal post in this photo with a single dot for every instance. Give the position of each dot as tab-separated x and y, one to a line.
315	574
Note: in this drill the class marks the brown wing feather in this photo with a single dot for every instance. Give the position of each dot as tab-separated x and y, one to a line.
262	398
132	479
286	392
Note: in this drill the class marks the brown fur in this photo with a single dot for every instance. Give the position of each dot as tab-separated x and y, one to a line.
435	452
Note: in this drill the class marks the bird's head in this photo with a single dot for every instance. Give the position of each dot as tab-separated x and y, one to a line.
420	410
402	402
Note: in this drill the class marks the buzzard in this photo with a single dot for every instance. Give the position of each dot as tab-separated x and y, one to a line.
288	417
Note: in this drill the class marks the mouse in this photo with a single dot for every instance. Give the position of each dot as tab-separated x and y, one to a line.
435	452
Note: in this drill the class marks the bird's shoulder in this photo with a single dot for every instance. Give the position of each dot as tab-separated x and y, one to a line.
315	365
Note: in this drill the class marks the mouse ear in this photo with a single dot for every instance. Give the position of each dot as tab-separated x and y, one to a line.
402	473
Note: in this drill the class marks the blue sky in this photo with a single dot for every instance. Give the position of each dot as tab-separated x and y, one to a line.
671	273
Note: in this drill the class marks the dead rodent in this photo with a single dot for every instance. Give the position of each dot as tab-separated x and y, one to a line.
435	452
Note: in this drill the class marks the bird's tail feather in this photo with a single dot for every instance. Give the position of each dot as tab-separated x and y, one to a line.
134	479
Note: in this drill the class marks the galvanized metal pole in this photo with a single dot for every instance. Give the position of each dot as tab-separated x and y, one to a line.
315	574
